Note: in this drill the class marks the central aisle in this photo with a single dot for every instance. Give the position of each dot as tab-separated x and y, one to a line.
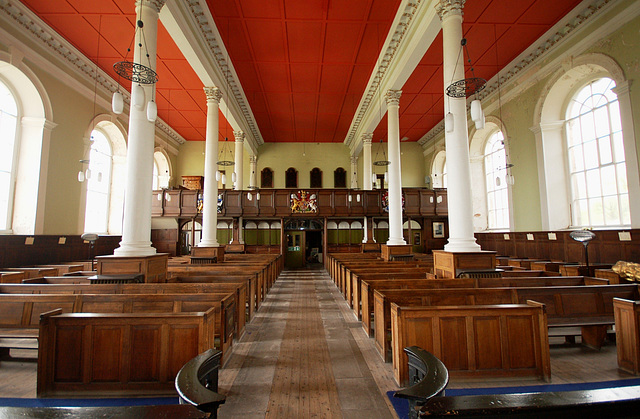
305	355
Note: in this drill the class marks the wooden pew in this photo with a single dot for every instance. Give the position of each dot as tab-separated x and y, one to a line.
429	297
11	277
32	272
19	313
368	286
182	411
117	354
473	341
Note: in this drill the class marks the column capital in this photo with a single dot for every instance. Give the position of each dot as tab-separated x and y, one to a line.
239	136
354	159
213	94
367	138
253	159
155	4
447	7
393	97
623	88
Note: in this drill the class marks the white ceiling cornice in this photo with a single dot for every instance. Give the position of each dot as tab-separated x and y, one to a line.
521	73
413	30
78	72
192	27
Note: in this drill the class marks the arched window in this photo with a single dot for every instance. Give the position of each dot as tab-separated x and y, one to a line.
595	149
439	170
8	129
291	178
161	170
315	178
98	177
339	178
266	178
496	181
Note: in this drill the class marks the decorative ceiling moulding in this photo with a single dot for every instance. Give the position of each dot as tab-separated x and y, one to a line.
514	77
41	33
202	22
409	23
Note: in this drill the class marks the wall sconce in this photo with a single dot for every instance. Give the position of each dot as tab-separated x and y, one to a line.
167	197
358	197
217	176
234	177
249	196
160	196
84	174
258	196
349	197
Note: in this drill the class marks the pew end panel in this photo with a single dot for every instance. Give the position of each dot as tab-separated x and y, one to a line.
508	340
116	354
627	320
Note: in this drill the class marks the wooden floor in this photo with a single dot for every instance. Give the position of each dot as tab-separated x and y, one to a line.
305	355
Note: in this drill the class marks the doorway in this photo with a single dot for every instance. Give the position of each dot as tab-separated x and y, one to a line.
303	243
294	257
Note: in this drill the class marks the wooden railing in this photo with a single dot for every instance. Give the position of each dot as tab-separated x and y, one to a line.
277	202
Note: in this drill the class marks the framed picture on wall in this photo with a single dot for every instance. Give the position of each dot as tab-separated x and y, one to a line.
438	230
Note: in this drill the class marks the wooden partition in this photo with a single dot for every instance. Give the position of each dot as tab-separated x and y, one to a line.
627	316
117	354
475	341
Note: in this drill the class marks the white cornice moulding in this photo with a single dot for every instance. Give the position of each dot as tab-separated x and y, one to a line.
78	66
520	74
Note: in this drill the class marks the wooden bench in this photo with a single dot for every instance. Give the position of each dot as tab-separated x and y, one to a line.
19	313
113	412
627	319
11	277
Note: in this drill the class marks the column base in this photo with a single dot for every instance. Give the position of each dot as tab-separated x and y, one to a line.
154	267
448	264
462	245
234	248
213	253
388	252
370	247
208	243
135	249
396	241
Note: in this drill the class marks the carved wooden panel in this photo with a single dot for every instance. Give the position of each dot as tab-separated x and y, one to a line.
145	354
341	202
455	347
68	359
521	342
266	203
106	351
411	202
488	352
325	202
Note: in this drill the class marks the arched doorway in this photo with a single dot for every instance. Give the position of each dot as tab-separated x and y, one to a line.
303	242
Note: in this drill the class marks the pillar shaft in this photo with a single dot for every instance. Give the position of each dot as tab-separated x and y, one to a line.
395	179
253	165
367	171
354	172
136	223
210	192
461	238
238	167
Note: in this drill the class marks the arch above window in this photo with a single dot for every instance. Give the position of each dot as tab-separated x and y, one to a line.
266	178
291	178
161	169
315	178
340	178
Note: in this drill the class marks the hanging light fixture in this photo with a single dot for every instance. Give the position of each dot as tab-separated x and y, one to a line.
226	156
136	73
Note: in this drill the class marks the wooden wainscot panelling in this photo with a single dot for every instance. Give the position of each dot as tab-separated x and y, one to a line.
233	203
341	202
189	200
266	203
442	207
372	202
447	264
165	240
411	202
427	202
282	202
627	318
157	202
325	201
249	207
172	202
507	340
357	202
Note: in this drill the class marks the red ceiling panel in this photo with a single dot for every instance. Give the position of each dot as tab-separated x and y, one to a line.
304	65
305	41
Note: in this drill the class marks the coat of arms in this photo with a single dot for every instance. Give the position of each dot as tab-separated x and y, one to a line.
385	201
303	202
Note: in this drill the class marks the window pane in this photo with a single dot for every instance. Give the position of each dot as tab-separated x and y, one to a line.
618	147
590	155
581	212
609	181
604	145
588	130
593	183
611	210
8	125
579	185
621	172
601	117
595	212
575	159
7	101
625	213
573	128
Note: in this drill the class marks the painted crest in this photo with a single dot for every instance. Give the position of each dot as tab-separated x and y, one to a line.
385	201
303	202
200	203
220	203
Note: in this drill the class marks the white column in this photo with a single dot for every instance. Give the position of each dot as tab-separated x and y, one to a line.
367	168
395	179
365	236
238	167
354	172
253	165
210	191
461	238
136	225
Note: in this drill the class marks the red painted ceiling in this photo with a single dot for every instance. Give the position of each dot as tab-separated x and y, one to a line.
303	65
